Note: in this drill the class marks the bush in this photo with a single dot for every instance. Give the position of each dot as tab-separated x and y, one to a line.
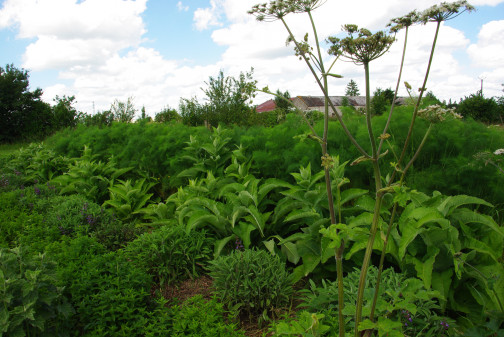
253	282
479	108
31	302
403	301
170	254
110	294
197	317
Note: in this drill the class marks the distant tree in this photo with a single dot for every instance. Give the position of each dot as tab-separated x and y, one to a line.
123	111
379	102
345	101
23	114
227	101
65	115
478	107
352	89
389	95
280	103
431	99
143	116
167	115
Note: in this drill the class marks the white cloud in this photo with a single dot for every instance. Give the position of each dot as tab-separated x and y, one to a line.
69	33
488	54
181	7
87	43
205	18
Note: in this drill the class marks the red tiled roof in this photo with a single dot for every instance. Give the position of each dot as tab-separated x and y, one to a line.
266	106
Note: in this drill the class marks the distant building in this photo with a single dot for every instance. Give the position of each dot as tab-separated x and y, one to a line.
309	103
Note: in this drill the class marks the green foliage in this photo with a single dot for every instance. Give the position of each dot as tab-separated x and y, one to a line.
167	115
32	304
89	177
280	101
404	305
129	200
227	102
352	89
65	114
253	282
170	254
109	293
197	317
123	112
23	114
100	119
479	108
381	99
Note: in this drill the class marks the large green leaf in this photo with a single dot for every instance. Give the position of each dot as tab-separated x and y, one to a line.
424	268
466	216
453	202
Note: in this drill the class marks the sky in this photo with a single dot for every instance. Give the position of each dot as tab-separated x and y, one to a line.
159	51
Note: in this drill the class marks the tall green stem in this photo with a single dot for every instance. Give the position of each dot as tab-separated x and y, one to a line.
396	89
376	214
391	224
415	112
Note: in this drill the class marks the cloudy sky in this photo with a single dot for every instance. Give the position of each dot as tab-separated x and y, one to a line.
158	51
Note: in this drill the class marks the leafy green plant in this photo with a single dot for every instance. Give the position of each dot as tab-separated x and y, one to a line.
170	254
251	281
401	299
89	177
129	200
32	304
110	294
197	317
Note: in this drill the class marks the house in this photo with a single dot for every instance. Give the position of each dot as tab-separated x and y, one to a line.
310	103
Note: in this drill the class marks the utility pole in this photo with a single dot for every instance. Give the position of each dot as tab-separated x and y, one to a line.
481	79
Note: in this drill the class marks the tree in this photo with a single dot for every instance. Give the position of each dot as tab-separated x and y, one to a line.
65	115
480	108
23	114
227	101
280	103
352	89
123	111
378	102
167	115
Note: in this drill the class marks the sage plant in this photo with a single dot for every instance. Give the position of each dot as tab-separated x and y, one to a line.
361	47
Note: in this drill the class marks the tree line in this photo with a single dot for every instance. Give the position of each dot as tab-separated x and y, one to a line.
24	116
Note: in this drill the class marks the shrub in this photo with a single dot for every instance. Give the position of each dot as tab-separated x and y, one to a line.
31	302
110	294
480	108
251	281
197	317
170	254
403	301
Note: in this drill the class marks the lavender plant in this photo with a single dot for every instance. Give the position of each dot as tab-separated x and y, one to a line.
361	47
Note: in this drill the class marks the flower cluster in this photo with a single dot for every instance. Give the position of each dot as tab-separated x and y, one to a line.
445	325
436	113
407	20
445	11
239	244
407	317
360	46
277	9
499	151
4	181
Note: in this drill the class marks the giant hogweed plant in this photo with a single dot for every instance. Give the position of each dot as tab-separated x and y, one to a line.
361	47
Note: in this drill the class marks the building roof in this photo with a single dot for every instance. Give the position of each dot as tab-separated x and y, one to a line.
266	106
319	101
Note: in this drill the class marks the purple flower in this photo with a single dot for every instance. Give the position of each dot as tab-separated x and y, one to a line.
37	190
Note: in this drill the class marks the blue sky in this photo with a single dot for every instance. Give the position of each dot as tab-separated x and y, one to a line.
158	51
